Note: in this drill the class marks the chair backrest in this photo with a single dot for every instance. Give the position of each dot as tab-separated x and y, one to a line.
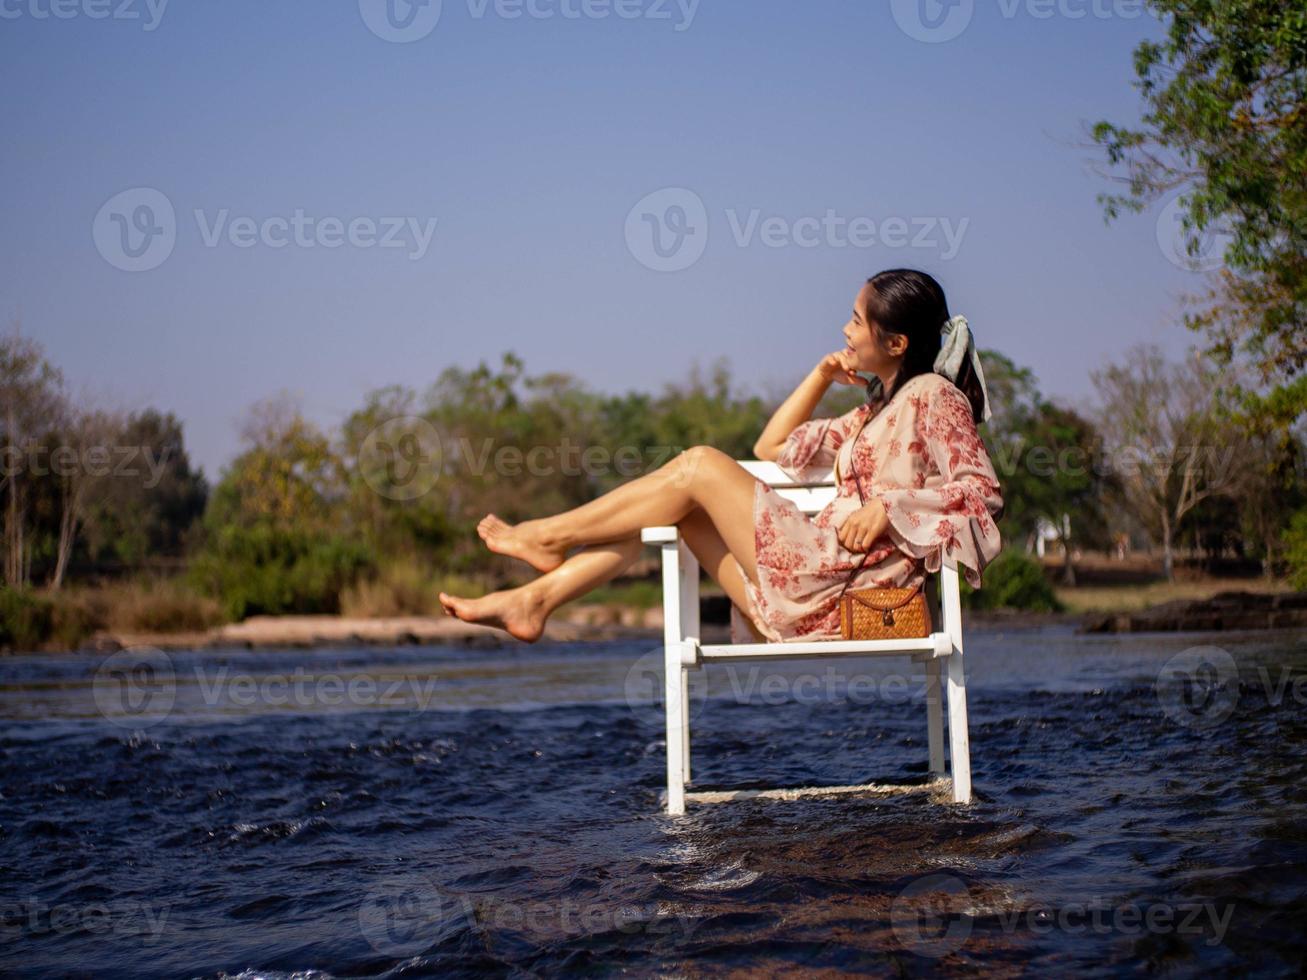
815	493
811	495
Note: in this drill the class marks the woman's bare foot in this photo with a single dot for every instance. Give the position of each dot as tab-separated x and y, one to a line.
519	541
521	612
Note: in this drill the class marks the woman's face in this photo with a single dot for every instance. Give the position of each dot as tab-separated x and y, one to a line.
864	343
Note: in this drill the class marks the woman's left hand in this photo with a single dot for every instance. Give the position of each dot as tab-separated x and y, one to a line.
861	528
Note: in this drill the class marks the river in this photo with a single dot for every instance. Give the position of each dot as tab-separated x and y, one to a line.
1140	807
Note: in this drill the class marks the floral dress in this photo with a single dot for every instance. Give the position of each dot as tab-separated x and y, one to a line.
921	456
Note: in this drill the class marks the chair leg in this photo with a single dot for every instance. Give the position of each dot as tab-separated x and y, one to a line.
959	749
673	697
685	723
934	718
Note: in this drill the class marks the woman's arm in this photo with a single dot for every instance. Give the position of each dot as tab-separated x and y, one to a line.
798	407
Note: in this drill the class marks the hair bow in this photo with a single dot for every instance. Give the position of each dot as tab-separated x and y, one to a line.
957	345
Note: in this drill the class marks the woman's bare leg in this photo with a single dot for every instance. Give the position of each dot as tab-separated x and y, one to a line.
715	558
701	477
523	611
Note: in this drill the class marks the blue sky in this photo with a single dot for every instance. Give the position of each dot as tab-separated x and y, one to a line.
478	180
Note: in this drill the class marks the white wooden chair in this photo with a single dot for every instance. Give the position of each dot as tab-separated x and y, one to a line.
940	655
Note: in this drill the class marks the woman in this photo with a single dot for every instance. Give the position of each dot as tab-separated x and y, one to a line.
929	486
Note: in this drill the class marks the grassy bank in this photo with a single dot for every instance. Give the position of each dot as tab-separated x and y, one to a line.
68	619
1132	598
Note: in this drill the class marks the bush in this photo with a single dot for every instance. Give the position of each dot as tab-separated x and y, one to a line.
637	593
404	587
155	606
1012	581
26	620
1295	549
269	571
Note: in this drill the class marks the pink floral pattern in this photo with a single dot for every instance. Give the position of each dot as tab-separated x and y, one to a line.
922	457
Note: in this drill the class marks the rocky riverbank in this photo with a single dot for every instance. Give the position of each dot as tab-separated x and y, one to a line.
592	621
1223	611
585	622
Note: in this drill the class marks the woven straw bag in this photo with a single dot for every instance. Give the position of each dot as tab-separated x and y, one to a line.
881	614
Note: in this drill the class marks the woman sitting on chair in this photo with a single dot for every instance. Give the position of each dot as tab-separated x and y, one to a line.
929	485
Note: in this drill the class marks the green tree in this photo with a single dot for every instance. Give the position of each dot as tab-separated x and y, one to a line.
31	395
151	509
277	538
1225	117
709	411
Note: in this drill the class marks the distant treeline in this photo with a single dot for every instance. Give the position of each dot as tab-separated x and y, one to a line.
377	516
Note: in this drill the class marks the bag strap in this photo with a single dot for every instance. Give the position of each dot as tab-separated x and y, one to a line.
861	499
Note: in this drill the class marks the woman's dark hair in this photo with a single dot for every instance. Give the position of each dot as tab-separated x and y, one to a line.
912	303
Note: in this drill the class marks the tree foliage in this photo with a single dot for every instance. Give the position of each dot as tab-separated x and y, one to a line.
1225	118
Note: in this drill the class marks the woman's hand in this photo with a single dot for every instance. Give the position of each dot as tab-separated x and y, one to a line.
861	528
840	367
